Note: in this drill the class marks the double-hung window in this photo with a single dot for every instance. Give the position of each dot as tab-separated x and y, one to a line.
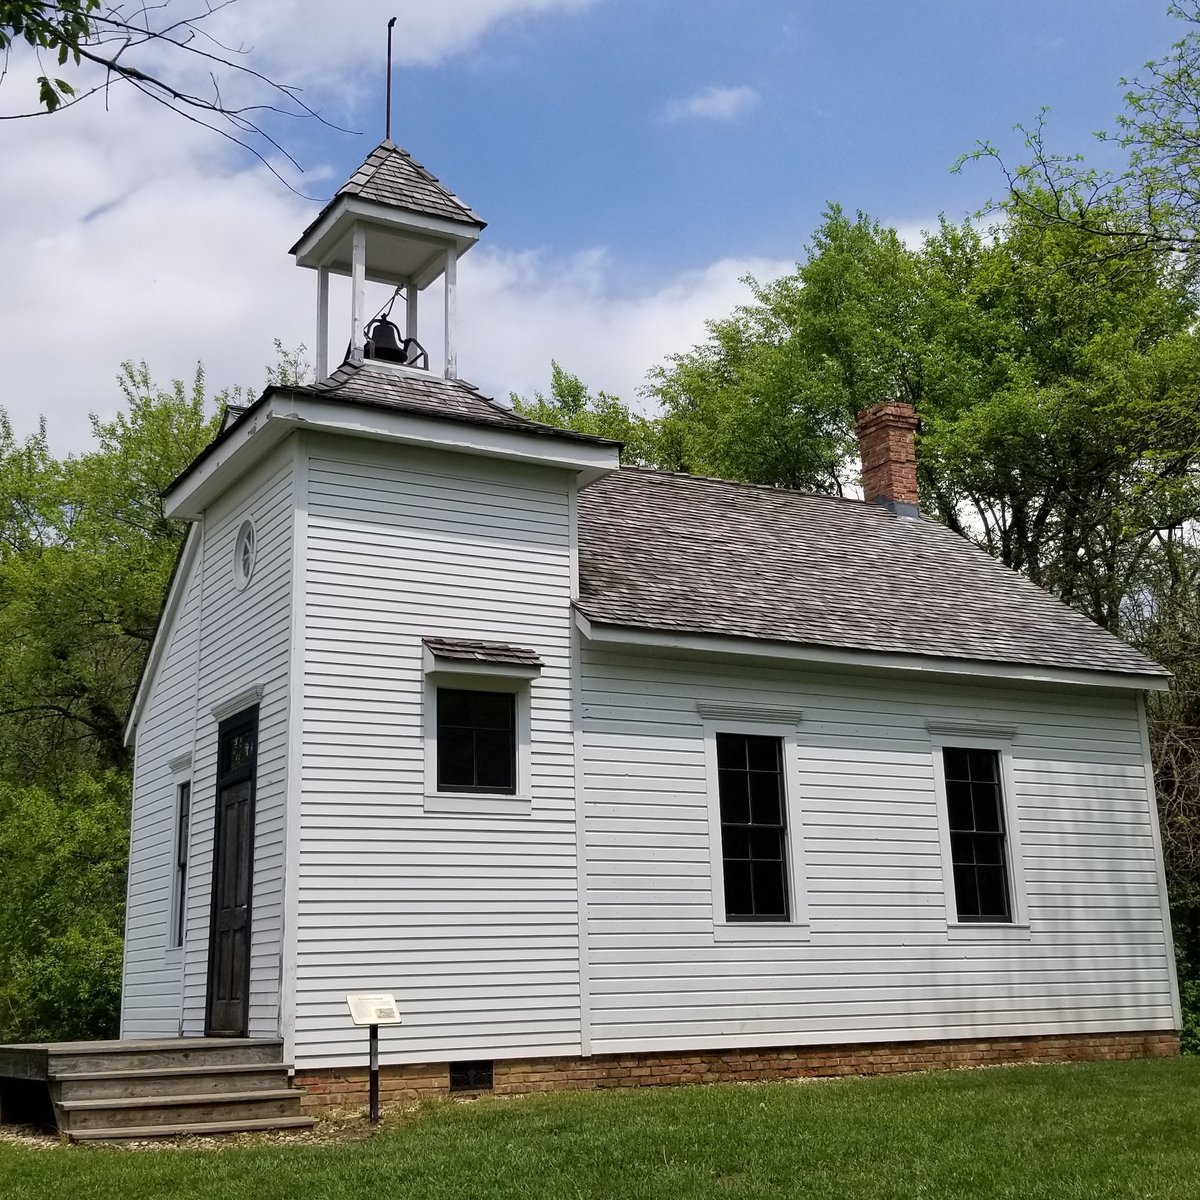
754	856
979	851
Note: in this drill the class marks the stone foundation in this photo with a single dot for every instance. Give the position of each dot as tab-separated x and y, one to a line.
425	1081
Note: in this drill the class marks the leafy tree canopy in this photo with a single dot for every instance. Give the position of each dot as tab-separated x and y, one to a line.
571	406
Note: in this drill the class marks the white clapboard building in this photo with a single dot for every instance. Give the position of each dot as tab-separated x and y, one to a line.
606	773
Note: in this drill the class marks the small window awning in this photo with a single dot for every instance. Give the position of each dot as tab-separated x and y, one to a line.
492	658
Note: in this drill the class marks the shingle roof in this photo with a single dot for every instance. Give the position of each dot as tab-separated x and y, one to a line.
381	386
487	652
390	175
680	553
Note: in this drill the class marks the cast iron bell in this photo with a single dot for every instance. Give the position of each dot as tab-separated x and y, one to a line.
384	341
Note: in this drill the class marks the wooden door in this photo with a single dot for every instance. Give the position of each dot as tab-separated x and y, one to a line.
228	1007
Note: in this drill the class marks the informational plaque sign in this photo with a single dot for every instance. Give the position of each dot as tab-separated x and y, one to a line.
373	1008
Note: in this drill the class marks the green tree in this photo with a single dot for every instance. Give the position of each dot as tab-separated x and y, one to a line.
85	554
63	854
571	406
1152	200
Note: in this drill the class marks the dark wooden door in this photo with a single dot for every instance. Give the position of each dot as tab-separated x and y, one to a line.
228	1006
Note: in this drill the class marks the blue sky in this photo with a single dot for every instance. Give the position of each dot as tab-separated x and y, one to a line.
634	158
556	128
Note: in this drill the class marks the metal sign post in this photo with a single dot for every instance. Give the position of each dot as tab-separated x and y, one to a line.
373	1010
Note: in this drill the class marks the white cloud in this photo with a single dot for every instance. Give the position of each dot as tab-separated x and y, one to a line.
130	234
713	104
520	310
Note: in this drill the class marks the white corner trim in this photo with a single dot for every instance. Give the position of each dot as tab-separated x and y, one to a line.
972	729
180	764
246	698
759	713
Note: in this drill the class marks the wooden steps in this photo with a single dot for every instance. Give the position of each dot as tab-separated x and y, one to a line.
133	1090
194	1129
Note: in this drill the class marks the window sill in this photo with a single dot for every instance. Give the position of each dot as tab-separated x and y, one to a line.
748	933
969	931
478	804
173	956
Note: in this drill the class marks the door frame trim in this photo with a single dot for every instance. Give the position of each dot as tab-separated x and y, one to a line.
247	716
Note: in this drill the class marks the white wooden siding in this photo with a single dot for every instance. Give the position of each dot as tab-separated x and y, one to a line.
150	994
244	644
879	962
470	919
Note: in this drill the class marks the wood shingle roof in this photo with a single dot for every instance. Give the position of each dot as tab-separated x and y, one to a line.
686	554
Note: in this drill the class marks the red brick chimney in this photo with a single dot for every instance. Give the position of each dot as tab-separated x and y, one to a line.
888	445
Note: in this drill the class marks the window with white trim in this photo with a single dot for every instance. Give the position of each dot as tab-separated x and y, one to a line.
753	776
477	703
979	822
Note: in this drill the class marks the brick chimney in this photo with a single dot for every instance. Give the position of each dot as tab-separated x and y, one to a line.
888	445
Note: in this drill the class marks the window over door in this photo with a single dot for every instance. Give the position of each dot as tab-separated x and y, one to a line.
978	842
753	827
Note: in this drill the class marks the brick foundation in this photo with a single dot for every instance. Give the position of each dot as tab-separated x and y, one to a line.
348	1086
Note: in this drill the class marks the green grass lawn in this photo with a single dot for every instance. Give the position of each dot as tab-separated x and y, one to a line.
1089	1131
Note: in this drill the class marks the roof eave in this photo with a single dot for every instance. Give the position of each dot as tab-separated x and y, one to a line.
678	642
312	248
282	411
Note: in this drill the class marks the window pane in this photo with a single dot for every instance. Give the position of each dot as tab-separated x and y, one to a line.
493	759
766	845
764	798
734	789
456	758
965	891
770	892
493	710
983	765
985	799
731	751
956	764
735	841
993	892
453	707
738	902
762	753
958	801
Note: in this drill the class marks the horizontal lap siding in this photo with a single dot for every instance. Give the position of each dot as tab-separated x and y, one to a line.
470	920
880	963
150	993
245	644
